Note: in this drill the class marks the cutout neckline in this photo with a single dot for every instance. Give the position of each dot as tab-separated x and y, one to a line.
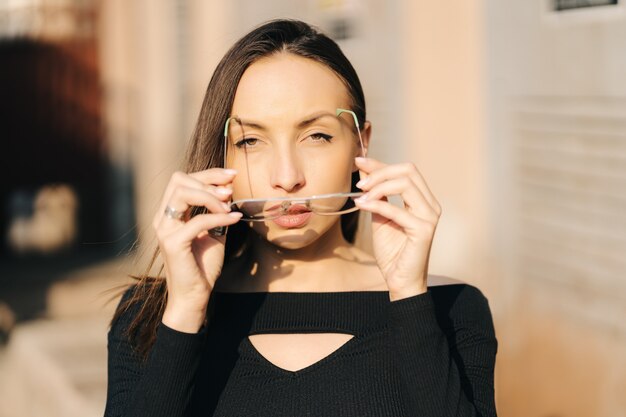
358	313
337	350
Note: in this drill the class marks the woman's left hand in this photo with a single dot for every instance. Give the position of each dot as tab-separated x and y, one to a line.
402	236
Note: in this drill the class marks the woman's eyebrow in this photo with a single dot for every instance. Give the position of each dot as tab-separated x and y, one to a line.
305	122
314	117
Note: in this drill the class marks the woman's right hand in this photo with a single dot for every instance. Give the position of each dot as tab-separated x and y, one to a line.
192	257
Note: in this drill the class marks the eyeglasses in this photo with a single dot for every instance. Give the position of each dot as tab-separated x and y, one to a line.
262	209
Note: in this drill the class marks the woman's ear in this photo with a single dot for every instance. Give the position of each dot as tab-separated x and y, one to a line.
366	134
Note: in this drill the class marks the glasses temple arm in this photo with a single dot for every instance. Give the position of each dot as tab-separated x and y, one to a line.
226	138
358	127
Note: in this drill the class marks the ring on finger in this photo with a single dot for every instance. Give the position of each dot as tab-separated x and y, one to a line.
172	213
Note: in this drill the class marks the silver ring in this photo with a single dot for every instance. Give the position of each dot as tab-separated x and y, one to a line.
172	213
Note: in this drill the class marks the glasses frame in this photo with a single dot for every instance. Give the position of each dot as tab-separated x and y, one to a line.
306	201
338	112
219	231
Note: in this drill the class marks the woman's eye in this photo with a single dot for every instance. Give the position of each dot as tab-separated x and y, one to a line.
246	142
321	137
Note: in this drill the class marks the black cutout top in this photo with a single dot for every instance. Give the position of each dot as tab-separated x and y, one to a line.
432	354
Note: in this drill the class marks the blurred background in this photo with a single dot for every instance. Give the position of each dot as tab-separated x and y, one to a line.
513	110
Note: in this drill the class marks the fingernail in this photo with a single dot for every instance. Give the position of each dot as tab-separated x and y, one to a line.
223	190
230	171
364	181
362	199
237	214
360	159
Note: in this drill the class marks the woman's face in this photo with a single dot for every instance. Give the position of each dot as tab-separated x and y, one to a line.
289	142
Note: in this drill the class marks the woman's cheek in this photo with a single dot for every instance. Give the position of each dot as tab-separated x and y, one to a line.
249	181
333	173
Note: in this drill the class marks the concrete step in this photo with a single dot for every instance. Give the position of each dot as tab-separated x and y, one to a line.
56	365
55	368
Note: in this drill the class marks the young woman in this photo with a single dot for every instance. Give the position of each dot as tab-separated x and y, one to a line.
282	315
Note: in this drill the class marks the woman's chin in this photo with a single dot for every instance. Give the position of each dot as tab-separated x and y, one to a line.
293	238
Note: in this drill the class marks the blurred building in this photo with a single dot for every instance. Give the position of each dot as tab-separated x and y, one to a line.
56	167
513	111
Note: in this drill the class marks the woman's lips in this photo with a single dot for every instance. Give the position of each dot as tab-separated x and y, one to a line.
292	221
297	216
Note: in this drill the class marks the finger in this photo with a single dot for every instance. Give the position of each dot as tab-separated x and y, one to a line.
185	197
202	179
387	210
222	193
367	165
217	176
412	197
194	180
200	224
380	172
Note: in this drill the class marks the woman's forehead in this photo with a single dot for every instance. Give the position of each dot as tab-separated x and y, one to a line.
316	118
286	86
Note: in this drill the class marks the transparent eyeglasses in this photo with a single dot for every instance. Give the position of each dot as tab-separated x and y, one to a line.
262	209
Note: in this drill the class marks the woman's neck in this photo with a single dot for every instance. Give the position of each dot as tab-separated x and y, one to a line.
328	264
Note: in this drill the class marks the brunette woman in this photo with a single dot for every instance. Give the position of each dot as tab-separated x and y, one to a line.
264	306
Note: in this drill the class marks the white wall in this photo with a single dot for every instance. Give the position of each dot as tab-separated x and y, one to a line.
557	136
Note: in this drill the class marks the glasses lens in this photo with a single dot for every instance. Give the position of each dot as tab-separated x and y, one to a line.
339	204
260	210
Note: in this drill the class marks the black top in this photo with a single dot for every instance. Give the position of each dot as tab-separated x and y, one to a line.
432	354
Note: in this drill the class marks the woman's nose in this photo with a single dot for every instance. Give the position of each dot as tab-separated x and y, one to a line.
287	172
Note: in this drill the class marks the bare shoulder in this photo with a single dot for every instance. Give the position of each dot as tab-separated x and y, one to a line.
439	280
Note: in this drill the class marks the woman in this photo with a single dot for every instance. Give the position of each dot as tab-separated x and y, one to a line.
282	315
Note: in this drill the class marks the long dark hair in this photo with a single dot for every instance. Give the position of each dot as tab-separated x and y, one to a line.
206	148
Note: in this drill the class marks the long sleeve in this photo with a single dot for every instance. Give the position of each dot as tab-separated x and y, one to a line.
445	346
160	386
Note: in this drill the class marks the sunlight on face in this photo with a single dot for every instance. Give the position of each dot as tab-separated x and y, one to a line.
288	142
